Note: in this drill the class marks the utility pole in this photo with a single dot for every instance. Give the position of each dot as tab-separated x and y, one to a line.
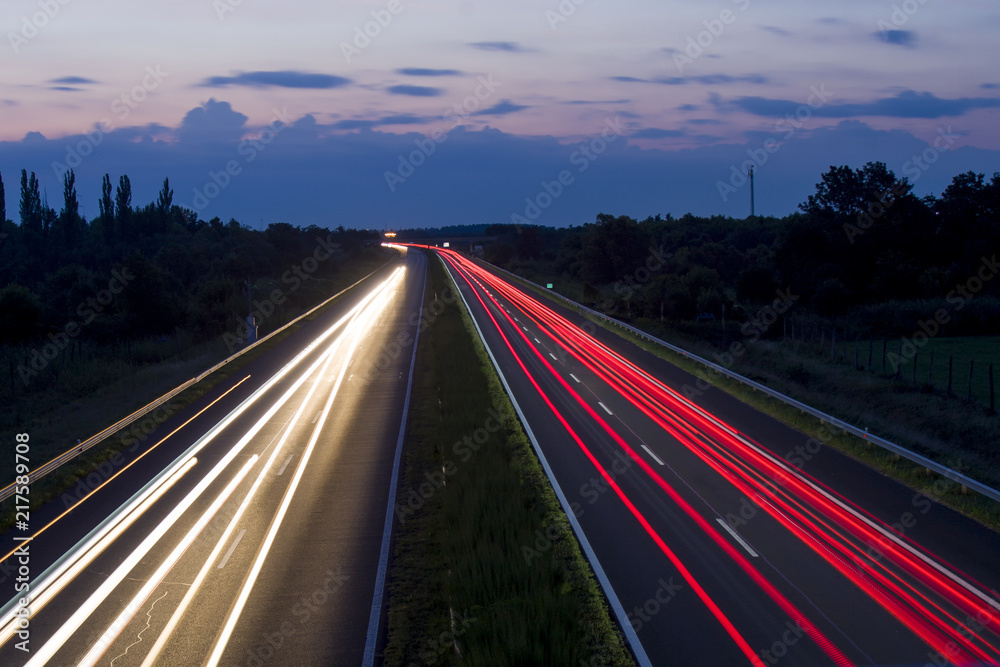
753	211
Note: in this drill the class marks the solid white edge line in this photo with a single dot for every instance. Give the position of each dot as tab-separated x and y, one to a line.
602	578
375	616
729	529
650	452
606	409
231	549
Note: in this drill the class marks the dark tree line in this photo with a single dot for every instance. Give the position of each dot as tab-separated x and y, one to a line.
182	273
862	241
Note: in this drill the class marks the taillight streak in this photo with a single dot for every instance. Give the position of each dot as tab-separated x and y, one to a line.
825	644
815	514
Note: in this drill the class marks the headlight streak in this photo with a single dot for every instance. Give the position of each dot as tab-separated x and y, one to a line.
175	619
86	545
130	464
223	639
53	580
139	599
696	429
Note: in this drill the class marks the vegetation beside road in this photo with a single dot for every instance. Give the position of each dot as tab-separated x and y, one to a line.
486	570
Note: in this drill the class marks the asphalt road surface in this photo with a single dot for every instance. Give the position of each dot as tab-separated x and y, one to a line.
249	528
725	537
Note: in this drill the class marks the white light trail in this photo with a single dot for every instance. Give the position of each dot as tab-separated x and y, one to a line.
86	546
139	599
223	640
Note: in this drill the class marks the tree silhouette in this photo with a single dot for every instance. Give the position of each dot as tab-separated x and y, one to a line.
107	208
166	198
123	208
843	191
31	212
69	220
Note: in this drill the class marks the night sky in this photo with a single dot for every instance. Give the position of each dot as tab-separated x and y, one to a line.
397	113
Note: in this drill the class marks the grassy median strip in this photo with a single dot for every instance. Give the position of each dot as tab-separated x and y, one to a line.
486	570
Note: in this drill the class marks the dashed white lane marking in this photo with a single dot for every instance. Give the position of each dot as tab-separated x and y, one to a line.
287	461
729	529
605	408
650	452
232	548
574	377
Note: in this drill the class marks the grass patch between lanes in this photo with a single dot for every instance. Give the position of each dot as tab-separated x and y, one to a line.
486	570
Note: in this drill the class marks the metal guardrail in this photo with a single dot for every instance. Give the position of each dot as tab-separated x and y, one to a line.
930	464
79	449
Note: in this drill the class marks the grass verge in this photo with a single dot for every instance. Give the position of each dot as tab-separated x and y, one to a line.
917	477
486	570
